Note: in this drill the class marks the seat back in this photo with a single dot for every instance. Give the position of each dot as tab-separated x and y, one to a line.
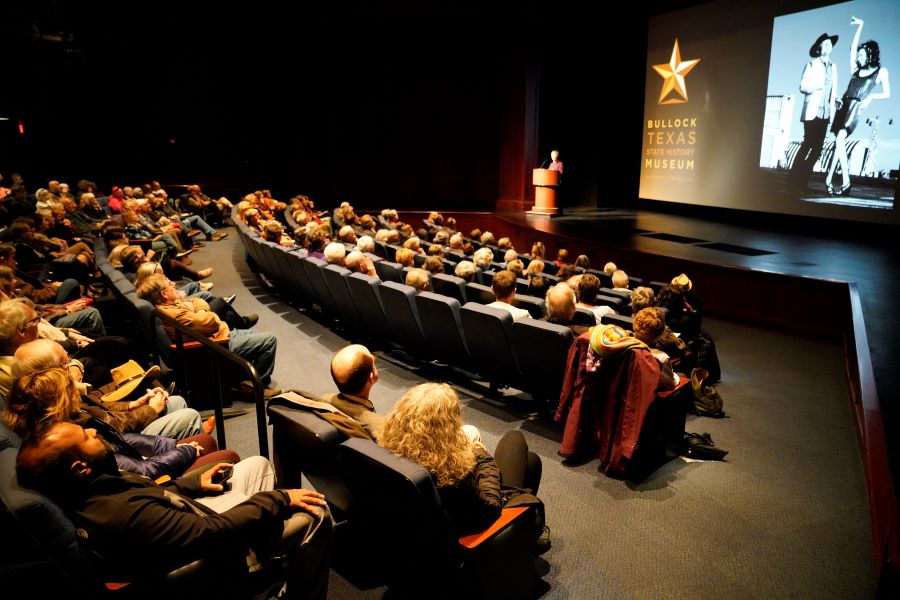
314	267
536	307
482	294
366	294
304	444
616	302
623	321
397	505
336	281
541	350
443	328
403	317
389	271
584	317
449	285
489	336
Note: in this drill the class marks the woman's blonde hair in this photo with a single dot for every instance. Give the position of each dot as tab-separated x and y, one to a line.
41	399
146	270
425	427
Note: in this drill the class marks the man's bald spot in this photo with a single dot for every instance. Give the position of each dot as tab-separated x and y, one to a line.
353	260
560	301
351	368
37	355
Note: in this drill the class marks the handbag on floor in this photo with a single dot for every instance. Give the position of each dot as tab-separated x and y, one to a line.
707	400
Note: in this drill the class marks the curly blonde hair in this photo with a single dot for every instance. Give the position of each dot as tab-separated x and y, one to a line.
425	427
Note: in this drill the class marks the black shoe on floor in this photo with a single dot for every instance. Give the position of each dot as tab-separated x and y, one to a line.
542	544
250	320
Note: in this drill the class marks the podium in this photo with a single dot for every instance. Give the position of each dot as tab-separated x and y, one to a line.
545	182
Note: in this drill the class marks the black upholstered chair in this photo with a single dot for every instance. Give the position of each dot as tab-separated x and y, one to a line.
303	444
623	321
366	294
449	285
489	336
336	280
482	294
389	271
402	315
399	509
541	351
443	328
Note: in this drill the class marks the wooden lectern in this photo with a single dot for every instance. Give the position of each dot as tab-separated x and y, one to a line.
545	182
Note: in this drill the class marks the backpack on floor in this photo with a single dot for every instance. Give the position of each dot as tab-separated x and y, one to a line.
707	400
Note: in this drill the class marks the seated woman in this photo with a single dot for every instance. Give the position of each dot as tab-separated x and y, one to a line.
650	328
50	396
425	426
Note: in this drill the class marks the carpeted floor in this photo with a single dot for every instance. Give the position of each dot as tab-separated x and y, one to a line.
784	516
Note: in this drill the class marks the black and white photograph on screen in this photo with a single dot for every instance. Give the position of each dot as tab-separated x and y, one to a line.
832	122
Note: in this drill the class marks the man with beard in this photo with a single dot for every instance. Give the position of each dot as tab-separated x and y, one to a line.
142	530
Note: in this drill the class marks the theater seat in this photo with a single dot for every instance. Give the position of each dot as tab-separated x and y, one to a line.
536	307
482	294
336	280
366	294
401	512
304	444
489	336
541	350
442	325
402	315
623	321
449	285
389	271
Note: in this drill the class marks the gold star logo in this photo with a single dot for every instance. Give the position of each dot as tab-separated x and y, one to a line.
673	77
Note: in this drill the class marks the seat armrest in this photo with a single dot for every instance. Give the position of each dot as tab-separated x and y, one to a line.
506	518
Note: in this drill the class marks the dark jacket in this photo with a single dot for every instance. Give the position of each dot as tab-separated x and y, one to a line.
474	503
142	529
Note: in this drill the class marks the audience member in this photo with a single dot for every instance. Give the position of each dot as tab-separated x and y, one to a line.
355	374
504	287
426	427
141	529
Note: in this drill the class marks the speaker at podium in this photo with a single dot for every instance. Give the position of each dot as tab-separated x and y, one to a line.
545	182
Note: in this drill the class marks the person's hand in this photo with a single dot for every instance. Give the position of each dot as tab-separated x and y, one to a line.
80	340
159	400
195	446
206	478
855	21
306	500
75	306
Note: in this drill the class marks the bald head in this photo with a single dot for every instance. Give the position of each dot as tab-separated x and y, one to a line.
353	370
358	262
560	303
38	355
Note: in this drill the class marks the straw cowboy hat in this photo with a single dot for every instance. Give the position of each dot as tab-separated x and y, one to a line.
682	282
127	378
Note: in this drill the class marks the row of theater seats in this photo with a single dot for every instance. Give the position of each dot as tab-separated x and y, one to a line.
376	495
528	354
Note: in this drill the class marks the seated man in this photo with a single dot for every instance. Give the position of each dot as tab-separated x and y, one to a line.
354	373
256	346
154	413
142	530
504	287
561	308
587	288
358	262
